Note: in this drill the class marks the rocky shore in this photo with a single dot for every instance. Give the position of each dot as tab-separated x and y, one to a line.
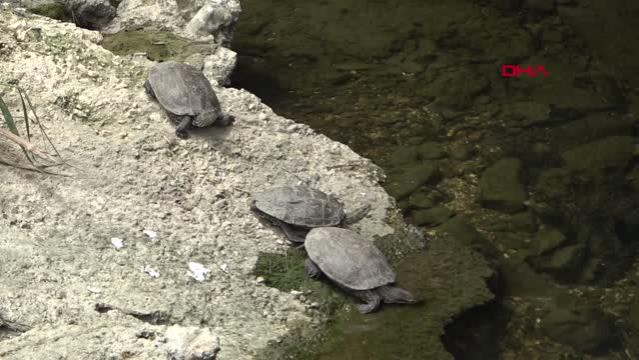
98	262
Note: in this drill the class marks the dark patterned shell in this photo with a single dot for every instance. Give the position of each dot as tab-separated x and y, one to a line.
348	258
301	206
182	89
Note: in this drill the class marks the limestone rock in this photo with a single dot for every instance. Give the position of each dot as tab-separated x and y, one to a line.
219	66
191	343
218	18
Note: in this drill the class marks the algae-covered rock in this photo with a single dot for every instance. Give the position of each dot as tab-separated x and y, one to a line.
424	199
460	229
519	279
402	155
548	239
529	113
521	222
589	128
449	277
433	216
541	5
565	262
54	10
587	329
431	150
597	156
404	180
501	187
457	90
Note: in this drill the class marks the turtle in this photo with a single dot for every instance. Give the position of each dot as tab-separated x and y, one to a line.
296	209
356	265
186	95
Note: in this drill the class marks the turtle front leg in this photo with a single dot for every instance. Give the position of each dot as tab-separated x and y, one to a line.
312	270
185	123
371	299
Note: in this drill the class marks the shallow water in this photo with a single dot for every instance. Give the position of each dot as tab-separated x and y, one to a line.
390	78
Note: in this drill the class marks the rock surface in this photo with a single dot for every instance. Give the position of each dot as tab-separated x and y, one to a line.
501	187
169	202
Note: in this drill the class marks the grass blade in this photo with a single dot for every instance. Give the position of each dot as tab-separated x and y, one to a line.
8	119
26	115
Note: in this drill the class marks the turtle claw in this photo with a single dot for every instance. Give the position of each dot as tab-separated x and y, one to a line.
182	134
370	306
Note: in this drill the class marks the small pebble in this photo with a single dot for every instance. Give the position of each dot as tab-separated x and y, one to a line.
117	243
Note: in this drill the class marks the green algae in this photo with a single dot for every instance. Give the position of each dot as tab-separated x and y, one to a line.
447	277
54	10
158	45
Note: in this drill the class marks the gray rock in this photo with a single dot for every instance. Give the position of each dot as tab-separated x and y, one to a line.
217	18
501	187
219	66
91	14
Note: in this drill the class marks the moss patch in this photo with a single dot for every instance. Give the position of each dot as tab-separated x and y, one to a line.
158	45
449	278
51	10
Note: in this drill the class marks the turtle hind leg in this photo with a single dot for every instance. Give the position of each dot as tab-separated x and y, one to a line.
183	124
356	215
312	270
372	301
393	294
296	236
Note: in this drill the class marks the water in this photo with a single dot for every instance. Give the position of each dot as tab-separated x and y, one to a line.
416	85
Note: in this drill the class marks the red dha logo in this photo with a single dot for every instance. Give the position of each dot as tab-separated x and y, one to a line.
517	70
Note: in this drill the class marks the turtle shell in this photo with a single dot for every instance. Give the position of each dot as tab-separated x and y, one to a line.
300	206
182	89
348	258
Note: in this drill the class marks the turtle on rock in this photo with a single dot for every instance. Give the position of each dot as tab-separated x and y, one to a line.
356	265
296	209
186	96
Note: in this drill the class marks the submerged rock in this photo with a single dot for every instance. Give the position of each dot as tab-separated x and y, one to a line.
598	156
501	187
585	329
